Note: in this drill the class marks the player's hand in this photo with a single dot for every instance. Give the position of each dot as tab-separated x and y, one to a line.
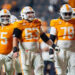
57	49
51	51
51	54
15	55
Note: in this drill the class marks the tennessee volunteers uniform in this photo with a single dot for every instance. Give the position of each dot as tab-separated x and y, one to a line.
6	36
6	33
29	46
65	32
30	33
6	39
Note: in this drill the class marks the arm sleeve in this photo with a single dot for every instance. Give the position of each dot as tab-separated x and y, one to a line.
53	37
44	37
17	33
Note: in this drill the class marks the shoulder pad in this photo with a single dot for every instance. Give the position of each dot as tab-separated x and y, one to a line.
18	24
11	24
37	20
53	22
72	21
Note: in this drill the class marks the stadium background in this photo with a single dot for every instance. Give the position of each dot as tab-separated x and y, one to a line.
45	9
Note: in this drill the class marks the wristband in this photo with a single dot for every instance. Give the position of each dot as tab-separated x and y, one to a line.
15	49
53	46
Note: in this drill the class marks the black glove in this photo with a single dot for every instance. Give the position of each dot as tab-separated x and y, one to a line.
51	51
55	47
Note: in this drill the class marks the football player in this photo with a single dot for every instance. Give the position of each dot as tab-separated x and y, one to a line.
28	32
13	19
6	35
47	55
17	65
64	30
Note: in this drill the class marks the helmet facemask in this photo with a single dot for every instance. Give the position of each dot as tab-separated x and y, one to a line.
5	19
28	13
30	16
66	16
5	16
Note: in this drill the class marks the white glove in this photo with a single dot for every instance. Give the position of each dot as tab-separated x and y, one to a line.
57	48
54	46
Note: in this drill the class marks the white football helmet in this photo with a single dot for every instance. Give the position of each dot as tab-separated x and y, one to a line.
73	13
13	19
66	12
5	16
27	13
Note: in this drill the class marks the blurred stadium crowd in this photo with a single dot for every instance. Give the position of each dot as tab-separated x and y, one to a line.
45	9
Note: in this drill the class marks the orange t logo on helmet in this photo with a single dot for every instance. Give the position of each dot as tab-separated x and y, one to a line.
5	11
67	7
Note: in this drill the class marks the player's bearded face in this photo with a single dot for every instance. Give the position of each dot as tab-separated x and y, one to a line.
30	15
5	19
